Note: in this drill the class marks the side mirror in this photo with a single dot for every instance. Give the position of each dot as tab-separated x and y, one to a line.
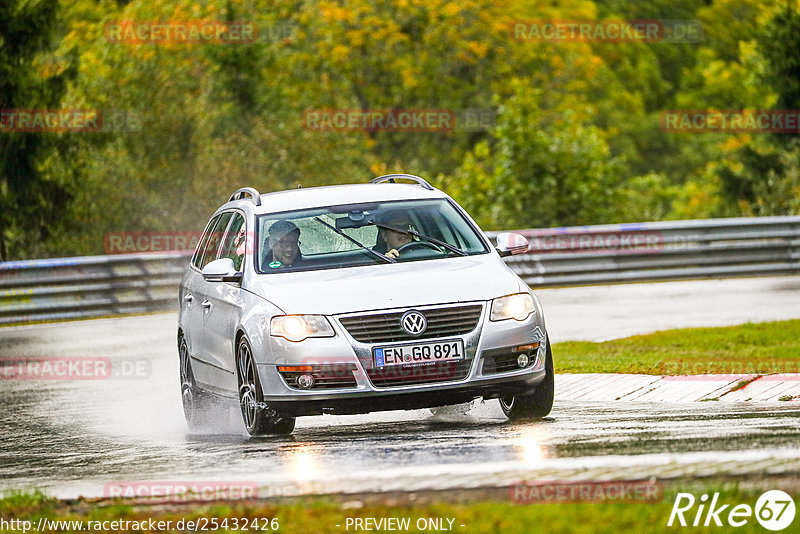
221	270
509	244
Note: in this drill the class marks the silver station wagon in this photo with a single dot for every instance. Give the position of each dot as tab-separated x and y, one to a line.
353	299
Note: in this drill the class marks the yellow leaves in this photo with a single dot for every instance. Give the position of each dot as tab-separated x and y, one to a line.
378	168
356	37
332	12
735	142
451	9
736	166
339	53
472	52
410	75
147	52
482	150
478	48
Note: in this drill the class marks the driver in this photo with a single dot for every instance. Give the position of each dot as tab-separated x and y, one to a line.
392	239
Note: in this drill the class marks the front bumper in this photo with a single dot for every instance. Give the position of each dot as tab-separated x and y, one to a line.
438	395
478	380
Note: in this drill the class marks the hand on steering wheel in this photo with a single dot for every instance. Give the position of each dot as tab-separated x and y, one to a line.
410	247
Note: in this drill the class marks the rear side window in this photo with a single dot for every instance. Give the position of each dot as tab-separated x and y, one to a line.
235	242
201	245
214	240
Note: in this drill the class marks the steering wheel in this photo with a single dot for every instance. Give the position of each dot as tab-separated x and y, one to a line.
417	245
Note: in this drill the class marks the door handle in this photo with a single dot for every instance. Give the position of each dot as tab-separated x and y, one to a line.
188	299
206	304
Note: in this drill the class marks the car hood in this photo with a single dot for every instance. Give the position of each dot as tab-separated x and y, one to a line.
374	287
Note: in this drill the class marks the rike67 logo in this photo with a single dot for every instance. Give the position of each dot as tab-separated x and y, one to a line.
774	510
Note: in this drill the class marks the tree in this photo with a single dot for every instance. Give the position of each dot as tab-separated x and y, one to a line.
545	169
30	204
762	177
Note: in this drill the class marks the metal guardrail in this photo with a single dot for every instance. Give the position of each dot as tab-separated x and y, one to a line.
94	286
667	250
91	286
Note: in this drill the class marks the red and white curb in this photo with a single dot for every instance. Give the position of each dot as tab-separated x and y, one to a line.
604	387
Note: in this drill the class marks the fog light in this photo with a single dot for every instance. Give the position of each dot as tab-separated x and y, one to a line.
523	360
305	381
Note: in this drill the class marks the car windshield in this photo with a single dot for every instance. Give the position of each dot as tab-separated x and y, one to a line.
363	234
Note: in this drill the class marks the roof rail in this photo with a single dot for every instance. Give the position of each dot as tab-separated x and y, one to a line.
255	196
391	177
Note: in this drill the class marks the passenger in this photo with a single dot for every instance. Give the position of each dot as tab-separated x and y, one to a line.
389	241
284	245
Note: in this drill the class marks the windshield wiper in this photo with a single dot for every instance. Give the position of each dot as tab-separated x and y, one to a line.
448	246
375	253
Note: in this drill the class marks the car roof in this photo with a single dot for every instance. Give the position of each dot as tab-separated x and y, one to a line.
332	195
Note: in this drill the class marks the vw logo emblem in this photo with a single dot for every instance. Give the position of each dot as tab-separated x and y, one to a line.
414	322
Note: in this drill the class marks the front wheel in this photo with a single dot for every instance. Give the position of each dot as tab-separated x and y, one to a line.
258	418
534	405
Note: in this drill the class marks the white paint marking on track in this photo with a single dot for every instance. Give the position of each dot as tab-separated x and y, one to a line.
600	387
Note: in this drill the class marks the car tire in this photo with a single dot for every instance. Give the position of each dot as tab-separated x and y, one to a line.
537	404
259	419
197	405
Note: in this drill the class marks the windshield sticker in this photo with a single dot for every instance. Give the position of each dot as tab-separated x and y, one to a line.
274	264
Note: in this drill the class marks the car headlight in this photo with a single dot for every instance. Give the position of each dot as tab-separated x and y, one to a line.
518	307
300	327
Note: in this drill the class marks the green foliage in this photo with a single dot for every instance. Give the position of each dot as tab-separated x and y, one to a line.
779	43
29	202
761	176
548	169
577	138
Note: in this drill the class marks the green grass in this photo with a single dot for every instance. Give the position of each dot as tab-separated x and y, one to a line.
321	515
760	348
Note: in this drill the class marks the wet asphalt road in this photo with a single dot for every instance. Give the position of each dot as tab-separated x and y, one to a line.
77	437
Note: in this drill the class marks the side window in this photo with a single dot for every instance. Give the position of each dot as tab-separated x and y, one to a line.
214	240
235	242
201	245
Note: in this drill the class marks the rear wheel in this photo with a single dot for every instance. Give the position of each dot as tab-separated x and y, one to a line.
536	404
196	404
258	418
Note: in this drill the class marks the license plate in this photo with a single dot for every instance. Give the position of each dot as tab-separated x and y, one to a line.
419	353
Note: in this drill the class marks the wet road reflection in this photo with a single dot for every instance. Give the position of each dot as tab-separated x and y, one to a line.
76	437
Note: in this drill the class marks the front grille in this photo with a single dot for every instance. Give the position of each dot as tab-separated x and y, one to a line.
331	376
386	327
504	360
404	375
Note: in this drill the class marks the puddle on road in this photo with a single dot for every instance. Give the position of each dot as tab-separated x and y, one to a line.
80	436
